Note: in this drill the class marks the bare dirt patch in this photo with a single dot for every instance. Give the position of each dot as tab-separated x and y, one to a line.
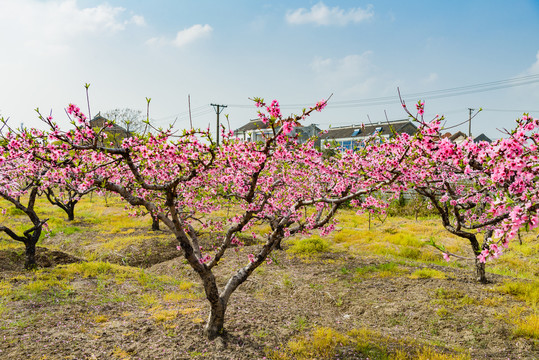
138	247
13	259
112	319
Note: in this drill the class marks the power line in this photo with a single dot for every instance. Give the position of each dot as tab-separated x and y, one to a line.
186	113
511	110
456	91
433	94
205	110
454	126
387	100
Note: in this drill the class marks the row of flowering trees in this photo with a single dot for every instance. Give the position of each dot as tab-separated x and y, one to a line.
182	179
478	189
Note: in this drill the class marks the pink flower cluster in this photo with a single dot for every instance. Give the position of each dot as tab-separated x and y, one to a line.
75	111
493	251
420	106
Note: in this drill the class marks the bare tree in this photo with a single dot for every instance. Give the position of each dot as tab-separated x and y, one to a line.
130	119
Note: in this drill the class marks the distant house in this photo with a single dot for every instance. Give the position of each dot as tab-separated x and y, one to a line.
256	130
352	136
482	137
459	137
115	133
304	133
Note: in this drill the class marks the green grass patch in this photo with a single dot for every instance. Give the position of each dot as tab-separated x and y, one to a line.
378	270
97	269
41	286
451	299
428	273
66	230
326	343
410	253
403	239
515	264
3	308
13	211
525	291
149	299
528	327
354	236
309	246
5	288
178	296
443	293
163	315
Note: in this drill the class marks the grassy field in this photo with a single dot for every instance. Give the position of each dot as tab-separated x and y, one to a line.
113	289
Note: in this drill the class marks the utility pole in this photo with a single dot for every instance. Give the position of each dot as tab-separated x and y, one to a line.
470	122
218	110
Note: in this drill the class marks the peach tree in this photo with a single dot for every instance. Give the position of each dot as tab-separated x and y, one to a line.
184	178
477	189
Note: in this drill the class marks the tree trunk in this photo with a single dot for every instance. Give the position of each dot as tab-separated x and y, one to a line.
480	274
30	245
70	210
215	325
155	224
30	261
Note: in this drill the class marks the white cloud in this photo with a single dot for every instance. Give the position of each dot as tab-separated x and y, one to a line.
183	37
138	20
431	78
50	25
353	74
348	66
534	69
320	14
191	34
533	88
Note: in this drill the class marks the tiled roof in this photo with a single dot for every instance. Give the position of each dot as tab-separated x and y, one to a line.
482	137
457	135
98	121
253	125
399	126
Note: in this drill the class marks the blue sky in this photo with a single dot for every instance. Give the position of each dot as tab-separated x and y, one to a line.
297	52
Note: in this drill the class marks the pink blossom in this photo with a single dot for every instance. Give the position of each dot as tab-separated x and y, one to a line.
420	107
204	259
288	127
274	109
483	256
495	251
320	105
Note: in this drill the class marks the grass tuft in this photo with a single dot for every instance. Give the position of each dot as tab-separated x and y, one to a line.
100	319
162	315
525	291
528	327
428	273
94	269
379	270
321	344
327	343
178	297
309	246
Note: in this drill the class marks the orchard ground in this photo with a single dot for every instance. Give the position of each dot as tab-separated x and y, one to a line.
110	288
